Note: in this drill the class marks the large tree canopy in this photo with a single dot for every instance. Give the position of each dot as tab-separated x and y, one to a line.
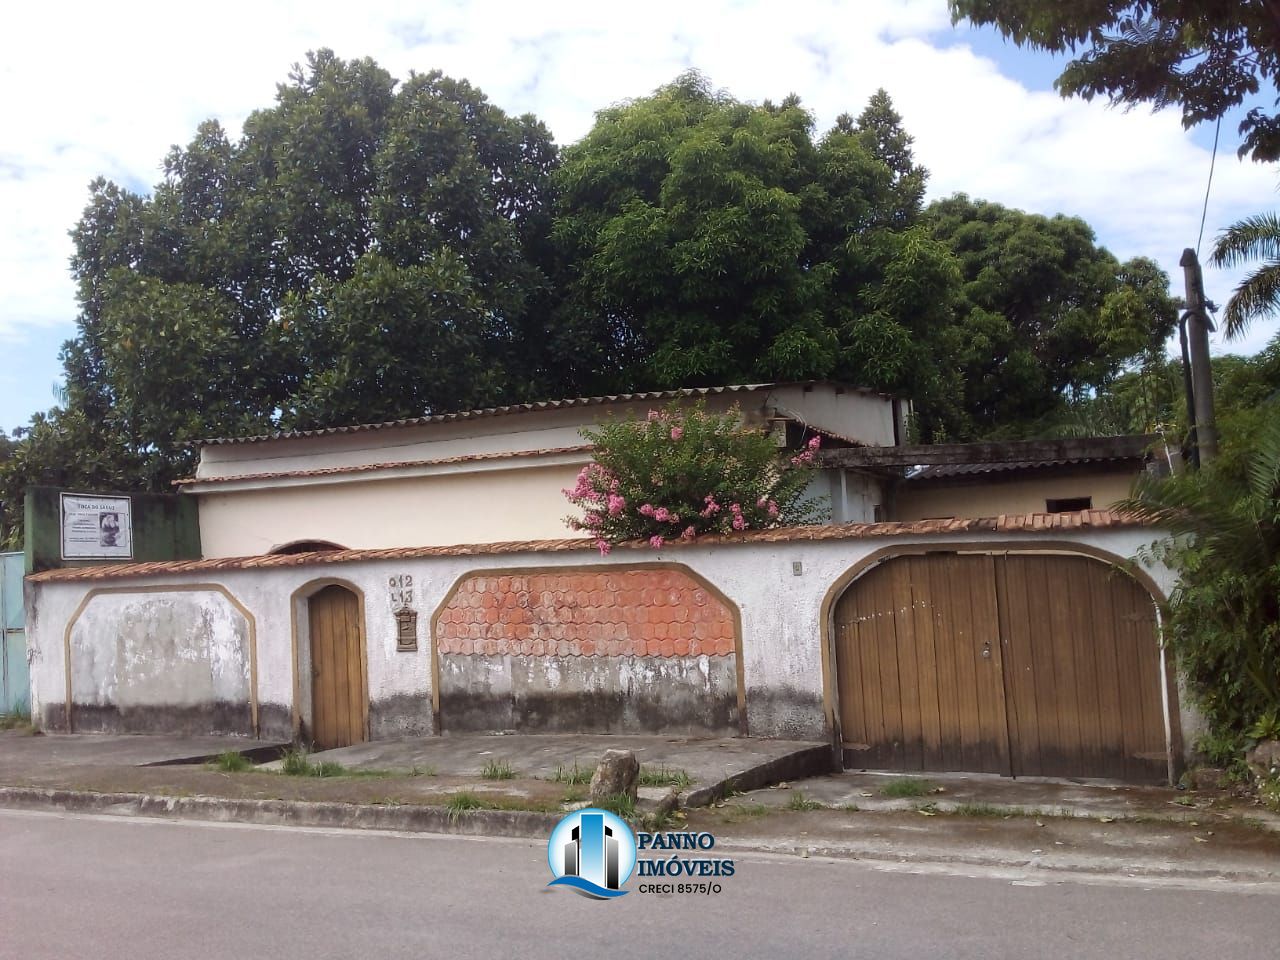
723	243
366	250
1045	315
1204	56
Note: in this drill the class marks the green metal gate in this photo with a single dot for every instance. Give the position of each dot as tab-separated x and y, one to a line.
15	681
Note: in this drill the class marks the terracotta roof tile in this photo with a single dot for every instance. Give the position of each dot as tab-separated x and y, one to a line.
1021	523
387	465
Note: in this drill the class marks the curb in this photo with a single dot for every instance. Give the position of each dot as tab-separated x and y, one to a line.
523	824
1031	864
809	762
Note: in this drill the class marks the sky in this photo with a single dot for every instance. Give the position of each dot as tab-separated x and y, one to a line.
105	89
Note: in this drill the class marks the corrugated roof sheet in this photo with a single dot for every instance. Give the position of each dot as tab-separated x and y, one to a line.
941	471
1023	523
652	395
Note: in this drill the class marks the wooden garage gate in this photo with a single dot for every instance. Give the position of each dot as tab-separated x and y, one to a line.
1017	664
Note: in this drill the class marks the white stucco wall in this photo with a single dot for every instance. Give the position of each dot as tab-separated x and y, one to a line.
460	507
780	616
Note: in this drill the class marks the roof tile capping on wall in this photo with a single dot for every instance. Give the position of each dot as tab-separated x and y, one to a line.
643	613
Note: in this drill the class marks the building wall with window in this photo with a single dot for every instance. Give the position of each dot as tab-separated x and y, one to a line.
993	494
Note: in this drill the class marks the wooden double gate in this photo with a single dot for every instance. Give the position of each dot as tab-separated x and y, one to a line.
1023	665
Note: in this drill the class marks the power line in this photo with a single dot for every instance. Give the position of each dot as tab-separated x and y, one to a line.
1213	159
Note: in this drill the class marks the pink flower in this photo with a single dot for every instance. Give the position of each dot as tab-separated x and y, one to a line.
662	514
594	521
655	542
653	415
773	509
646	510
739	522
761	502
604	546
801	459
735	509
677	433
616	504
688	533
815	443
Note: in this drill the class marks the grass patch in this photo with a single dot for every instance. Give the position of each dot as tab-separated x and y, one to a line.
575	776
747	811
16	720
800	802
982	810
849	808
574	795
297	763
929	809
462	803
231	761
664	776
497	770
623	804
907	787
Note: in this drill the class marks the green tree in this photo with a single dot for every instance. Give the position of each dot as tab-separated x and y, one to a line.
1046	316
366	249
722	243
1204	56
1224	542
1258	295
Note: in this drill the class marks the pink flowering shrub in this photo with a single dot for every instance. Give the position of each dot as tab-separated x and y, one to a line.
680	473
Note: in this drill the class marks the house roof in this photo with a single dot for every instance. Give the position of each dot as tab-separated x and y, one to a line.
1023	523
990	456
941	471
387	465
652	395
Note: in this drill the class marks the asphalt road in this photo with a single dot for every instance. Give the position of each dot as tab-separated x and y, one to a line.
101	887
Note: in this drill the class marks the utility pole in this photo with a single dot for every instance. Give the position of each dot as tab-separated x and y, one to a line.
1198	327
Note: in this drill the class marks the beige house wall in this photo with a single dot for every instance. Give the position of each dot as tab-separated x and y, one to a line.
439	510
993	497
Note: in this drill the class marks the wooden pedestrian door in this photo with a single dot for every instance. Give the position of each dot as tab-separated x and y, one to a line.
1022	665
337	668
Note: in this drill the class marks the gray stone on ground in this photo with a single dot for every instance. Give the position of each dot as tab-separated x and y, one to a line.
616	774
1264	759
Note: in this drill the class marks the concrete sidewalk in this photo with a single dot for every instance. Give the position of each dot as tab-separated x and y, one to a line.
713	766
989	795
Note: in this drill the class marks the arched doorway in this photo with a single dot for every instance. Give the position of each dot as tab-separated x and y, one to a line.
338	684
1017	664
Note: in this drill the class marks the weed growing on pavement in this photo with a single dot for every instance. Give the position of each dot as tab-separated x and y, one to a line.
981	810
623	804
231	761
664	776
800	802
497	770
907	787
574	776
462	803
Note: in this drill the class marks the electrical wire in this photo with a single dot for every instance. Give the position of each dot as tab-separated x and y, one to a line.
1213	160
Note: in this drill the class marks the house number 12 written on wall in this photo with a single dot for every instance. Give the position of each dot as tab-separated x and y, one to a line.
401	589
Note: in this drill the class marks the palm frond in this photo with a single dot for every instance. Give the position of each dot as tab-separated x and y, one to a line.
1264	465
1253	238
1257	296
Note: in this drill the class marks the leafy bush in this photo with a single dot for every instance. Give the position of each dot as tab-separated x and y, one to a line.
683	472
1224	618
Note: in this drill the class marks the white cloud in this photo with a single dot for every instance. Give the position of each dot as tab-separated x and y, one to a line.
106	89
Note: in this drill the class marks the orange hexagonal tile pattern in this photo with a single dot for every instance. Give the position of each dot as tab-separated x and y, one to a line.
653	613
